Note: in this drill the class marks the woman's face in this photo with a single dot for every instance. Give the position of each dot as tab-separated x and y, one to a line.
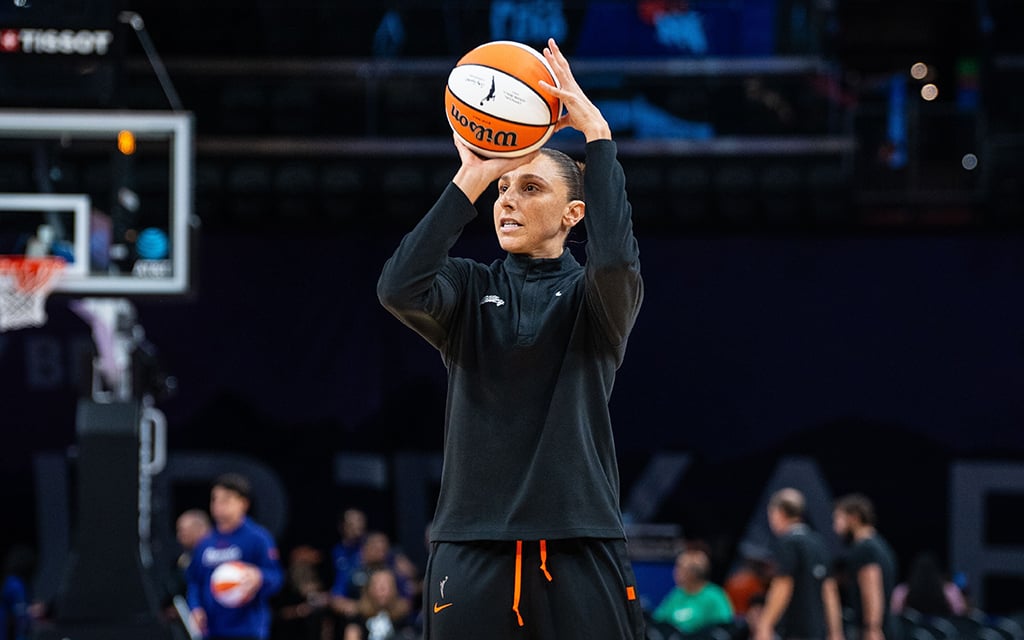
533	213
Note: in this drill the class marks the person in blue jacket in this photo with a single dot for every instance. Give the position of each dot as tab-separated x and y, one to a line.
15	616
235	537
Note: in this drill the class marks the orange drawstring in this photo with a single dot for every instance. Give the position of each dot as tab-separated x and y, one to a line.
544	559
519	579
518	587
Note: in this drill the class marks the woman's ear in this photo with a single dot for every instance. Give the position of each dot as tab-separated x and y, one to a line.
574	212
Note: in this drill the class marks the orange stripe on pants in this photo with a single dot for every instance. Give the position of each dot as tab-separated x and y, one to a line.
518	581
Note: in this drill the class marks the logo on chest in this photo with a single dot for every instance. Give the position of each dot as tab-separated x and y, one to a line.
213	556
494	299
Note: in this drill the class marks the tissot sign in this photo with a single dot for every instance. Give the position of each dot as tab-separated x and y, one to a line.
42	41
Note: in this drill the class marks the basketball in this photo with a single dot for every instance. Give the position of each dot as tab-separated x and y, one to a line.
494	101
226	584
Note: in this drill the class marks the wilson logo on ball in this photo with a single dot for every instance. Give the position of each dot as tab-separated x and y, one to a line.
495	103
480	133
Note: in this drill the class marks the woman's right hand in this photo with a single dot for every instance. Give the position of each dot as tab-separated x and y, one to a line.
580	112
477	173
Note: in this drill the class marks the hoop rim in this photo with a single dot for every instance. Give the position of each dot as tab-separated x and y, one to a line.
31	273
16	259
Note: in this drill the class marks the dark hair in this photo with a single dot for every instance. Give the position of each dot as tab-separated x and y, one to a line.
926	587
570	171
859	505
234	482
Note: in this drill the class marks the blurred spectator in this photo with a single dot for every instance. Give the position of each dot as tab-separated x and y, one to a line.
192	526
870	566
638	28
15	617
235	537
375	553
695	603
928	590
687	28
802	599
381	613
345	554
300	608
751	578
642	28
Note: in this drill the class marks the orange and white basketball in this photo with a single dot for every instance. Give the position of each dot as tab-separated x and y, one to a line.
495	103
226	583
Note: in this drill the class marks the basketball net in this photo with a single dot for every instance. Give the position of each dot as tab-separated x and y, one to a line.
25	284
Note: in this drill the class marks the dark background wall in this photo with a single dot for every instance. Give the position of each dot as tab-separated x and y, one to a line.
868	316
883	359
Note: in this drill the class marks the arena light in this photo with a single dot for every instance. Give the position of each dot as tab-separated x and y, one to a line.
126	142
919	71
929	92
969	161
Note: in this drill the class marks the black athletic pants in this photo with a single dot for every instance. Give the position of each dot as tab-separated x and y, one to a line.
574	589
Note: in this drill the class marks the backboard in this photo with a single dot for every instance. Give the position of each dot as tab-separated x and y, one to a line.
109	191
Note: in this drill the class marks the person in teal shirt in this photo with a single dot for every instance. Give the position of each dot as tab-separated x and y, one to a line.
695	602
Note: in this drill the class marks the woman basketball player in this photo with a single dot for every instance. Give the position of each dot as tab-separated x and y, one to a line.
527	540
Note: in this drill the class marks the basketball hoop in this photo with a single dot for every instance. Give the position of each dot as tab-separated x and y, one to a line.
24	285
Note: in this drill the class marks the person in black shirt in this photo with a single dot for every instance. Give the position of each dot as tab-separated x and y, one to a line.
802	600
528	530
870	564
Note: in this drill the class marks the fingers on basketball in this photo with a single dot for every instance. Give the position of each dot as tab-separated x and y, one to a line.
494	100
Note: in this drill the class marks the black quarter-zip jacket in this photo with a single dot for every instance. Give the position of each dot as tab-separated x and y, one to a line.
531	347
